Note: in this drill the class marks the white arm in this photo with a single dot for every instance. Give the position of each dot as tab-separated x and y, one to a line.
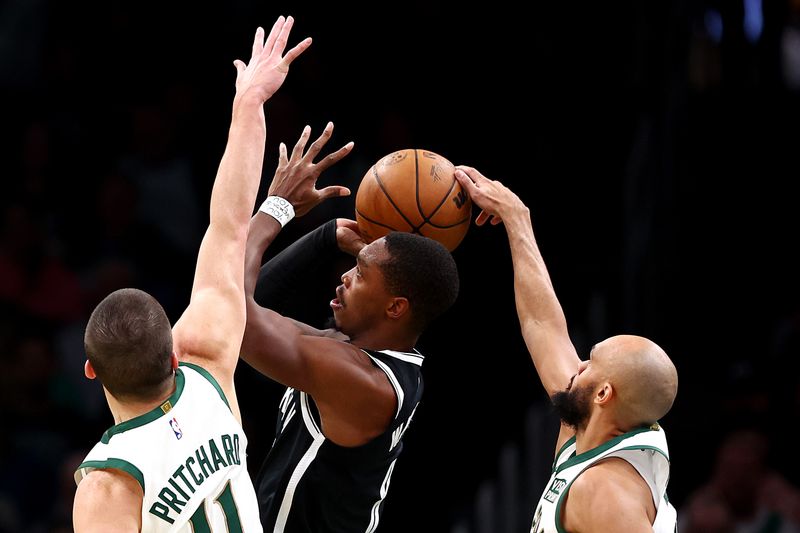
210	331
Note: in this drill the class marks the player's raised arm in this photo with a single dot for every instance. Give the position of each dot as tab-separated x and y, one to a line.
210	331
269	338
354	397
543	323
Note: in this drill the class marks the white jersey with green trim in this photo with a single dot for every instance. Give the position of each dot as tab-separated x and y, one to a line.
189	456
645	449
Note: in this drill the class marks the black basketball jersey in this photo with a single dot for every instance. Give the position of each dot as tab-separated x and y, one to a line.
310	484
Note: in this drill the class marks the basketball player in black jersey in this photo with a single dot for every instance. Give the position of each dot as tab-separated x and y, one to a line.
351	392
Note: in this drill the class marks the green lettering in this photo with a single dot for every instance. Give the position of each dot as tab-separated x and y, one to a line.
197	479
171	499
227	445
236	447
199	520
202	460
179	473
176	487
161	511
225	499
218	460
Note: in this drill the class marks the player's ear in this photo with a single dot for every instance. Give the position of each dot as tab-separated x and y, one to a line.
398	307
604	394
174	361
88	370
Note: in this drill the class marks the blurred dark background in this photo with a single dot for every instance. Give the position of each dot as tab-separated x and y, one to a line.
655	143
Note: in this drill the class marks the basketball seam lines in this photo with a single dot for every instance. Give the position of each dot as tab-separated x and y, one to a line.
365	217
416	187
450	225
388	197
426	219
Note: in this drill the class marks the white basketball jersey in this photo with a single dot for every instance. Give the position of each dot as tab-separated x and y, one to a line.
645	449
189	456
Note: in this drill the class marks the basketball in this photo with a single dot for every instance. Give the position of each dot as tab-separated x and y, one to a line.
414	191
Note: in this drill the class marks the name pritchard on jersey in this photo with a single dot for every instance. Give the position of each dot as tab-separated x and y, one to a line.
206	460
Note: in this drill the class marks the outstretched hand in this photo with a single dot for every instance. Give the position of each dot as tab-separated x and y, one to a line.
495	199
263	75
296	177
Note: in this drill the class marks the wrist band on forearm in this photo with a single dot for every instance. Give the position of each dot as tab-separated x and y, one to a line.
278	208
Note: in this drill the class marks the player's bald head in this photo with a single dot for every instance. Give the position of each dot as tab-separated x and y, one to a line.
643	376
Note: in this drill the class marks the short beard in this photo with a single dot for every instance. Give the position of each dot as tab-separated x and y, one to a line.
573	406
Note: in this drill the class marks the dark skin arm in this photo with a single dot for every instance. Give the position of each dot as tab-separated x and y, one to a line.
355	399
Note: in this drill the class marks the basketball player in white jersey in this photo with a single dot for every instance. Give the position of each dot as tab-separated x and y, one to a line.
612	462
176	459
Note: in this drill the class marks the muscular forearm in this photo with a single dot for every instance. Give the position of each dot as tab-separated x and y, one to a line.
544	326
536	298
263	230
267	334
239	174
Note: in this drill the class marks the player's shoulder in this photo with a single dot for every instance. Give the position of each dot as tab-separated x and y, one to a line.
607	473
107	482
610	493
101	486
610	478
105	498
323	347
404	362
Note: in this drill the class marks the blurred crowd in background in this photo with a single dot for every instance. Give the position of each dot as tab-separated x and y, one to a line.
656	147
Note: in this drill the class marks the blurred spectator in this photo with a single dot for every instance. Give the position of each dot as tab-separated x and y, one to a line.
785	390
790	47
163	177
32	276
704	61
35	403
744	495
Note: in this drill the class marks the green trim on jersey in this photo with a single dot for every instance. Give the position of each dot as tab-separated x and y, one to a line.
206	374
594	452
146	418
647	447
119	464
564	446
560	504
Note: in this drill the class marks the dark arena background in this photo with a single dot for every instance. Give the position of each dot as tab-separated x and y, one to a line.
656	144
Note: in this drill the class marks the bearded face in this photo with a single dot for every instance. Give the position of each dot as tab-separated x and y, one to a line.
574	404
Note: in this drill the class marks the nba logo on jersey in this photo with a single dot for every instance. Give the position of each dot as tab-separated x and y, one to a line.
176	428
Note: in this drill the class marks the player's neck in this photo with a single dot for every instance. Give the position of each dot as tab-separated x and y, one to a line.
375	339
123	411
594	434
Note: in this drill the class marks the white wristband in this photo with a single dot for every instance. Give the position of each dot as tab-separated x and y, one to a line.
278	208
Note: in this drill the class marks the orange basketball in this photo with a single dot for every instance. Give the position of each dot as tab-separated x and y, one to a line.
415	191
